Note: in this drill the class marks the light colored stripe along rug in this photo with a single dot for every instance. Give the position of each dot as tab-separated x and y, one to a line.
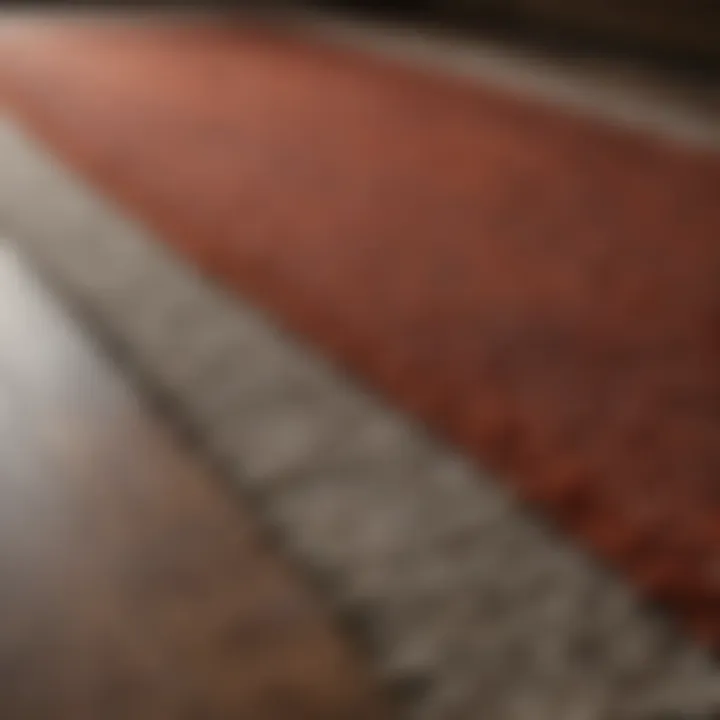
469	606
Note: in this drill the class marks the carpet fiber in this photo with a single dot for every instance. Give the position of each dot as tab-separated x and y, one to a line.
543	291
460	596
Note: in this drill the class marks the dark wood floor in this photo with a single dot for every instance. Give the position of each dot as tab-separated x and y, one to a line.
130	585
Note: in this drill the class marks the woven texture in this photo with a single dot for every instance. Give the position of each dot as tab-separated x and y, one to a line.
542	291
462	599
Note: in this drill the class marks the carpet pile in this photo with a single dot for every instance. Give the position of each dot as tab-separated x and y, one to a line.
540	290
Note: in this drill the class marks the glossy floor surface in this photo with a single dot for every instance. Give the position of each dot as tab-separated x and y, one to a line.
133	585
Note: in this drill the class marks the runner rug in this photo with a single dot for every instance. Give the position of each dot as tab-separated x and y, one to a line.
538	289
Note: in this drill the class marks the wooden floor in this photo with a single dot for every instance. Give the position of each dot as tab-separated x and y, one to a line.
131	586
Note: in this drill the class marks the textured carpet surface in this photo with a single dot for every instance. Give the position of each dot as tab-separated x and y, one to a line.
462	599
543	291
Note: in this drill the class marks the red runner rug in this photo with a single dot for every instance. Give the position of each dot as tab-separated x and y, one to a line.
542	290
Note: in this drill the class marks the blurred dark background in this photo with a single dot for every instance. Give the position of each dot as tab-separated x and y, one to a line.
683	29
